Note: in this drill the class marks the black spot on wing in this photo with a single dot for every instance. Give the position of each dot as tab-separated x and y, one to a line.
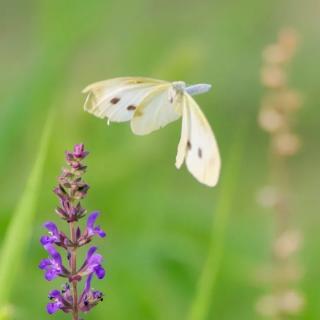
115	100
131	108
199	153
189	146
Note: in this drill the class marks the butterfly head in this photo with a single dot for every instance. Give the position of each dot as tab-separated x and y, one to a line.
179	86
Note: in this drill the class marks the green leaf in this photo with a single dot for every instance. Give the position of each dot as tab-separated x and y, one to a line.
20	228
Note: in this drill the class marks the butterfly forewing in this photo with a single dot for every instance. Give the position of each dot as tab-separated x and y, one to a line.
118	99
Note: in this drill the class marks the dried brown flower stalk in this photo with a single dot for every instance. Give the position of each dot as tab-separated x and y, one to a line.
276	116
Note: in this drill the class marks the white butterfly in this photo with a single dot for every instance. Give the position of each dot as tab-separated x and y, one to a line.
150	105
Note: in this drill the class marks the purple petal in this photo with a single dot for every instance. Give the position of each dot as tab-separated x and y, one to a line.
88	283
52	227
50	275
95	259
100	272
54	294
86	288
100	232
92	262
97	295
92	219
44	240
54	253
78	149
79	152
89	298
44	263
52	307
90	252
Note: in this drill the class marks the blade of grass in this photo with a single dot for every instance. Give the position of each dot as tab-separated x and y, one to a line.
200	306
20	228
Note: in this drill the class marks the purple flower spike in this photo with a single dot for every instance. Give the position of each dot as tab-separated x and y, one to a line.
71	189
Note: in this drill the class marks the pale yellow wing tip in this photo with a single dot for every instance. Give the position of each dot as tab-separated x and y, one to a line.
90	106
210	182
86	102
87	89
179	163
213	180
136	131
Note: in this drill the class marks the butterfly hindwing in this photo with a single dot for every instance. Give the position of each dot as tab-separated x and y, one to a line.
198	146
157	110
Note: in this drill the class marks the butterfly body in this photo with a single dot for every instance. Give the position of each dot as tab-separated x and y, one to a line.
179	86
198	88
151	104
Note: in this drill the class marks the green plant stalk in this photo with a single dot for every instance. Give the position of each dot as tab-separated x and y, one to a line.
200	306
21	225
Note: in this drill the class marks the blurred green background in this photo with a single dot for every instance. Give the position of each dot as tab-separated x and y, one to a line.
158	219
